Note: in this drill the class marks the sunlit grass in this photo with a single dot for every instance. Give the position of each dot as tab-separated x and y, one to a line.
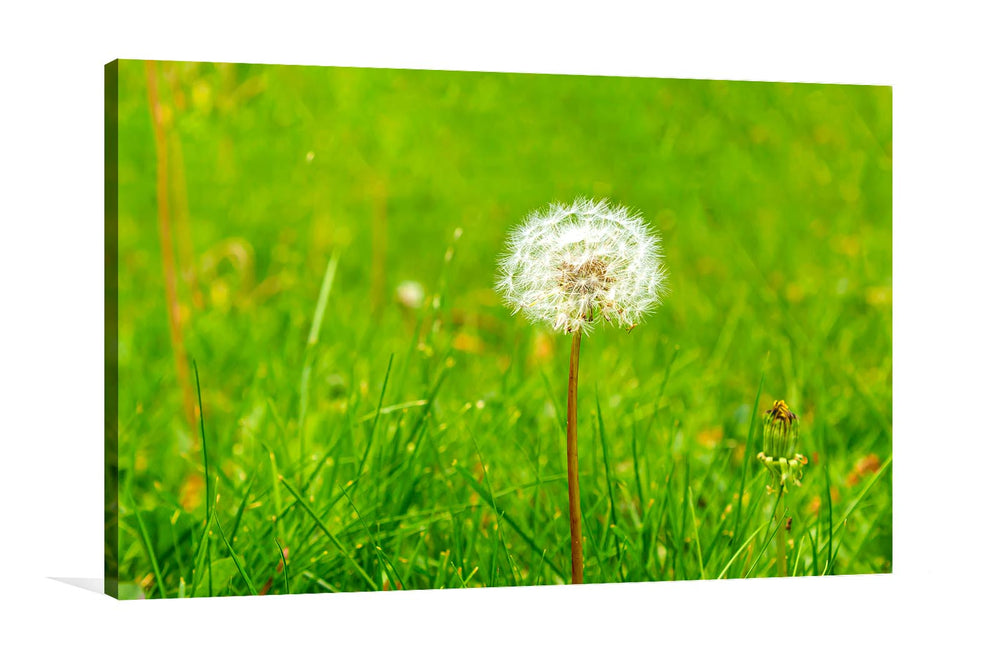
358	443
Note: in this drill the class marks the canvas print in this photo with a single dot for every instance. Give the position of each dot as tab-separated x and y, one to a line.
379	330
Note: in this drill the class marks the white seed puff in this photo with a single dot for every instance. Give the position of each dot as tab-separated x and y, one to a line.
571	265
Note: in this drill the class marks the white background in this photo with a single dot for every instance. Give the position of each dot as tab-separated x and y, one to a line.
941	602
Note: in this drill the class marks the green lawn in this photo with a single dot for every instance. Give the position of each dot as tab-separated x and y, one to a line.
424	447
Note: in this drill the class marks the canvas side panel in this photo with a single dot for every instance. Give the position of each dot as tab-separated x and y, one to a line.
111	329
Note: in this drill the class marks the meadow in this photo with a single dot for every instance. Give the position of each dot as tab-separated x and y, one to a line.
309	254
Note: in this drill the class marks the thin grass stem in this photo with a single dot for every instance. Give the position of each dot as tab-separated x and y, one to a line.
310	355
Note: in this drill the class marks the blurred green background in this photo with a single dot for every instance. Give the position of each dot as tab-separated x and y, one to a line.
774	205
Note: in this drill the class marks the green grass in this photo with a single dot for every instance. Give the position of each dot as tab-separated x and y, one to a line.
357	444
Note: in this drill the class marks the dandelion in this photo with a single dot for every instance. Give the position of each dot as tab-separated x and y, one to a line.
570	267
781	435
573	265
410	294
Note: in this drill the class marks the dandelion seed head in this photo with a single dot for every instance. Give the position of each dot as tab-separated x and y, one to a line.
410	294
570	266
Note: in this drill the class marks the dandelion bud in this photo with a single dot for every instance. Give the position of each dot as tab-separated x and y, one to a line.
781	435
781	431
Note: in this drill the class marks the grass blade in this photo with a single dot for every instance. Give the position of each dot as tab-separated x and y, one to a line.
387	568
310	353
747	456
323	528
694	528
857	500
486	495
378	413
232	553
148	545
611	491
284	564
740	550
208	485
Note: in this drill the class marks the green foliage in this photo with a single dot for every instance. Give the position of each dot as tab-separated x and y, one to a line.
401	447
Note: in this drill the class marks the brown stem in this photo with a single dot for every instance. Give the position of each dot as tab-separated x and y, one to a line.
573	463
182	215
167	247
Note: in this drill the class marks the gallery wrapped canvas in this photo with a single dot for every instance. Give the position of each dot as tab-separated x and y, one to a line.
372	329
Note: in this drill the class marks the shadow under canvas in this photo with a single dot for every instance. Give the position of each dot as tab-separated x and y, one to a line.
90	584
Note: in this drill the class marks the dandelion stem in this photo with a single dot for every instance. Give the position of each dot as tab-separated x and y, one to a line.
573	463
782	535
